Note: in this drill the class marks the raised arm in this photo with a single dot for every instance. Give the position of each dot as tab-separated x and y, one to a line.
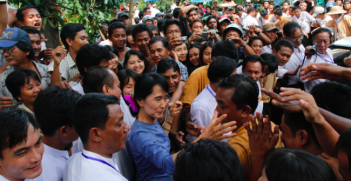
186	9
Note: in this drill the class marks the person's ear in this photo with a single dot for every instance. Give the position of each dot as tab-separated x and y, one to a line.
303	137
95	134
169	51
63	131
246	111
273	51
69	42
105	89
140	102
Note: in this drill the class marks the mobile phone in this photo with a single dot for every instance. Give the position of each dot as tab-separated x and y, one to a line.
204	34
184	38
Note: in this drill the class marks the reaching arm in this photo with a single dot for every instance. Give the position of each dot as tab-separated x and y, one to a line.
177	95
340	124
326	134
325	71
186	9
58	54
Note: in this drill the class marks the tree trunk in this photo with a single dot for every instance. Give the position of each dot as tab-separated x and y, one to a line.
52	35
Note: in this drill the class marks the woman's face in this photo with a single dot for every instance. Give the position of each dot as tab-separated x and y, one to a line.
129	86
257	47
136	64
194	56
113	63
206	56
181	51
30	91
155	104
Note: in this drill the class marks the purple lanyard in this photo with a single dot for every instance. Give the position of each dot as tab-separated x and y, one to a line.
102	161
331	60
210	91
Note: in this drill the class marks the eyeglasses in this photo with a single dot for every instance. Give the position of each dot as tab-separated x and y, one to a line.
297	38
8	50
173	32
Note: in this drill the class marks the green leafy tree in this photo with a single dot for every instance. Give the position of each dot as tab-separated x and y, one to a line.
56	13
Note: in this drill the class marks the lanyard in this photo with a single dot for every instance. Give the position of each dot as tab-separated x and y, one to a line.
102	161
210	91
329	61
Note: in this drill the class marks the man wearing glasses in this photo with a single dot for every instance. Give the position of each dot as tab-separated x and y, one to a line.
17	50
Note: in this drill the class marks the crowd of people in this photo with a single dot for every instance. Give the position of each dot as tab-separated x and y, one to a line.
205	93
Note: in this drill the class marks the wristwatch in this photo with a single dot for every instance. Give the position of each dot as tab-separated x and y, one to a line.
258	32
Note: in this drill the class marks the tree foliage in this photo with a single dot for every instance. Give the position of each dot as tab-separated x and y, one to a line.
89	13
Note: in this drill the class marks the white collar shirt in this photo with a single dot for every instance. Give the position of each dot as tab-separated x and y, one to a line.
80	168
53	164
318	58
304	20
202	109
296	59
249	20
267	49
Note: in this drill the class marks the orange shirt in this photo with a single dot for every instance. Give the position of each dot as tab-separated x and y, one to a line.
240	143
197	82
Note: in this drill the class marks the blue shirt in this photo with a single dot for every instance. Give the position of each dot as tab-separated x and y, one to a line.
150	147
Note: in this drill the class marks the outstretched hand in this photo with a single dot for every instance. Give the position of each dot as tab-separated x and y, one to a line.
217	131
321	71
306	101
290	106
261	138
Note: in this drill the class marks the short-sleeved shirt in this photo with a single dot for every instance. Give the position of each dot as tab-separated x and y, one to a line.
68	68
197	82
183	71
304	20
296	59
249	20
42	69
240	143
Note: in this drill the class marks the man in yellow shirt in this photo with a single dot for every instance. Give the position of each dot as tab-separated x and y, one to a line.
198	80
237	97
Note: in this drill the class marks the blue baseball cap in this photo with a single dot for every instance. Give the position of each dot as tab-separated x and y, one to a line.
12	36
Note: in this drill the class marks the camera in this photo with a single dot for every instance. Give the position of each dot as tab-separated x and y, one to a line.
312	51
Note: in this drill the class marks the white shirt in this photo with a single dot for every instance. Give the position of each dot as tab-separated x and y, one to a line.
173	6
242	17
318	58
154	11
304	21
259	108
249	20
53	164
322	22
267	49
78	88
202	109
79	168
281	72
296	59
2	178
